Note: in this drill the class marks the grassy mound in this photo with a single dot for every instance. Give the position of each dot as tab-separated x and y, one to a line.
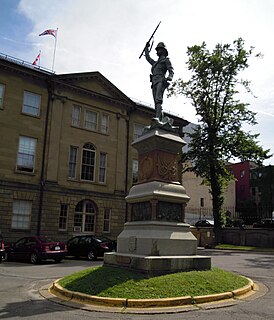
243	248
120	283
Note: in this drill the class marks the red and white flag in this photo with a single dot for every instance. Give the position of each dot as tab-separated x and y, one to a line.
49	32
37	59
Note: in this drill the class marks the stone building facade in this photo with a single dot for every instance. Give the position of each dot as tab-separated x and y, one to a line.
66	160
200	203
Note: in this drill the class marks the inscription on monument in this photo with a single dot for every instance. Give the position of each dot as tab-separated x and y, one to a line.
132	244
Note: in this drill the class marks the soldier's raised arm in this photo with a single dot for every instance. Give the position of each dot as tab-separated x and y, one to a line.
147	55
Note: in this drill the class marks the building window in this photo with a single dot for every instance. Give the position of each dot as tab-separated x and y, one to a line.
76	116
26	153
31	103
137	130
242	173
21	213
2	91
88	162
202	202
91	120
104	123
134	171
107	214
84	216
63	217
72	162
102	168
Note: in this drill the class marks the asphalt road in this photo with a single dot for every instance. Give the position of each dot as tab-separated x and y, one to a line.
20	282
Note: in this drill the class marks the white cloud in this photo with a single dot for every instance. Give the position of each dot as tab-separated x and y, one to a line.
109	35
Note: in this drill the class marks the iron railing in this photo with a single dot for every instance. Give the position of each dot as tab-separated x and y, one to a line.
248	214
25	63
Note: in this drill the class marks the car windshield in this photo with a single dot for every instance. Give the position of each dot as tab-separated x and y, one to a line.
101	239
45	239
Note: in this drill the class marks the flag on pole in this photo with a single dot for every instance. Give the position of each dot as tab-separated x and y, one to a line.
50	32
37	58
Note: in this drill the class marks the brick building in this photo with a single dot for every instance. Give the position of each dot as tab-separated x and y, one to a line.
66	161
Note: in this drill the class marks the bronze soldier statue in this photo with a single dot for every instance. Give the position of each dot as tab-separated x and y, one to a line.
159	81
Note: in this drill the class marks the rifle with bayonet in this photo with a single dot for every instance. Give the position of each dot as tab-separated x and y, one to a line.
149	40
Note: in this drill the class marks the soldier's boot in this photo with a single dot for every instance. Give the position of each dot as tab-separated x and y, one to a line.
159	113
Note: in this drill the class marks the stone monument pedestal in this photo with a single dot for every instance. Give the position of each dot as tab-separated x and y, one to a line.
156	247
155	240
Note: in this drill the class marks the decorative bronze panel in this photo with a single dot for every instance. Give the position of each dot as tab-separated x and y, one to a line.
168	211
141	211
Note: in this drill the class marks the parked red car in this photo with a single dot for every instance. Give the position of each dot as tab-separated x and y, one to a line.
36	249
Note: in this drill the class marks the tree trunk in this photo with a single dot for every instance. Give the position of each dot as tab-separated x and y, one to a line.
217	202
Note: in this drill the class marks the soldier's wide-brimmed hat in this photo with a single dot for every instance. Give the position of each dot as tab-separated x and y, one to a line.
161	45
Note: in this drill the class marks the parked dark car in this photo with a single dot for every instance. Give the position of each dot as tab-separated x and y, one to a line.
204	223
2	249
36	249
238	223
90	246
264	223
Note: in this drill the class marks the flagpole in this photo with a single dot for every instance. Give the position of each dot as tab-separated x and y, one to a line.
39	58
53	60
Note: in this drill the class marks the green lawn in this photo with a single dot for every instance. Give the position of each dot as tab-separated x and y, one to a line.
120	283
244	248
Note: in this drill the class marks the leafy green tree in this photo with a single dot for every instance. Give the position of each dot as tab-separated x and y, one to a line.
219	136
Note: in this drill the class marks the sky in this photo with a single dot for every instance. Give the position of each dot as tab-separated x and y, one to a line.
109	35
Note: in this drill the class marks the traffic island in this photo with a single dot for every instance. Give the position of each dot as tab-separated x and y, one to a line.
58	294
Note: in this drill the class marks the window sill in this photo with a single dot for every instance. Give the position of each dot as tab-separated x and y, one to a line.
104	184
31	115
25	172
90	130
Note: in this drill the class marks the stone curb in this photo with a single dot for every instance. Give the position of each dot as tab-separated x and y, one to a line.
67	295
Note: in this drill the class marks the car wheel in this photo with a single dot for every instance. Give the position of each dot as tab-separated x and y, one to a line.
91	255
57	260
34	259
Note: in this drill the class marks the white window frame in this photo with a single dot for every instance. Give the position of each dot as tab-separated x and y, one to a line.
134	171
2	93
102	167
72	166
81	217
88	150
107	218
63	217
21	214
76	115
89	123
26	154
31	104
105	123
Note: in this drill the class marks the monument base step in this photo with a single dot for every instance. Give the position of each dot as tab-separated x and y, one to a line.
156	265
